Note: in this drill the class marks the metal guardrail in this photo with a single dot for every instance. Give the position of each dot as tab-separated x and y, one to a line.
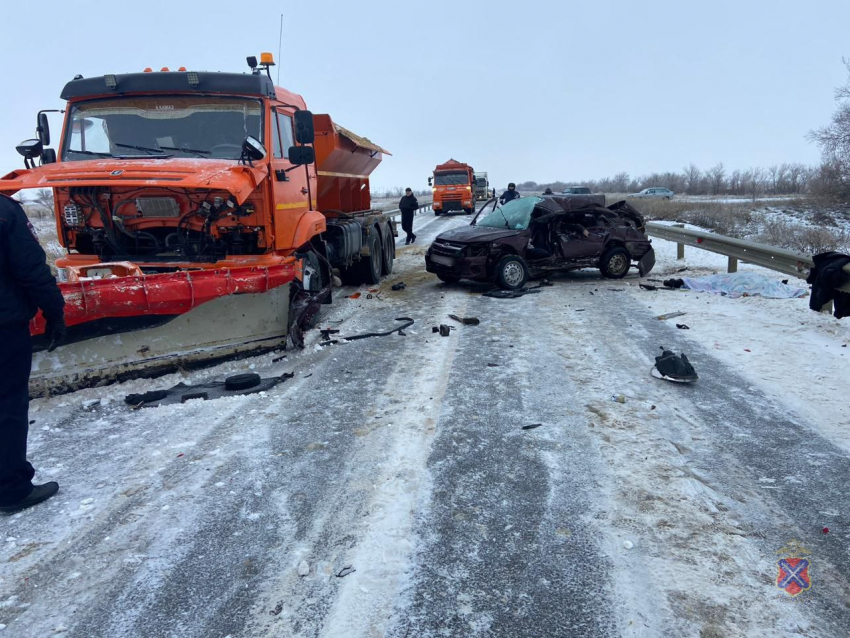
781	260
423	208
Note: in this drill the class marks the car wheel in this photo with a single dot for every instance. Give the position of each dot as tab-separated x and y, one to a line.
370	267
447	278
511	272
389	252
615	263
667	198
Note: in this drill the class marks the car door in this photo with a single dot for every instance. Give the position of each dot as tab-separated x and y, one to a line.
575	246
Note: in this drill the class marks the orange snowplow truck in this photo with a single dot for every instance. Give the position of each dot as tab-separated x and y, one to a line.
205	215
452	185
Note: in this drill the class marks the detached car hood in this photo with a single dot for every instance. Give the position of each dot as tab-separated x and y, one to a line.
237	179
472	234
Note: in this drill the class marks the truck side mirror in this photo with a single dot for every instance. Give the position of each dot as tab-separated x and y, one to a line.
43	129
304	131
430	181
252	149
48	156
301	155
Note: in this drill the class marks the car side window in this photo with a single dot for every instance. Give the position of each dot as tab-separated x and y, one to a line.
282	131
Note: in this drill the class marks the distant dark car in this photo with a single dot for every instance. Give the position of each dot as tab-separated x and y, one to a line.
656	193
532	236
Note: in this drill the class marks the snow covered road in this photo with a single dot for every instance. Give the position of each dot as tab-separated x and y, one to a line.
390	490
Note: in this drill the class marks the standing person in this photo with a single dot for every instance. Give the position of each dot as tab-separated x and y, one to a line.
26	284
510	194
408	205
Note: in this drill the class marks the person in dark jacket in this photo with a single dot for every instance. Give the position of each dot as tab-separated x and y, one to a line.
408	205
26	284
510	194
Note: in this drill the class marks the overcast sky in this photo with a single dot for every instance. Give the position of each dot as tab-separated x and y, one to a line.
524	90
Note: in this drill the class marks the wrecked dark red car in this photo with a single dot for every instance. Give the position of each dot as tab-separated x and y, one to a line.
531	236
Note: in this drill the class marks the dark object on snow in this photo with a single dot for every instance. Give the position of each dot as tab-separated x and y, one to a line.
682	326
467	321
327	332
492	365
825	277
242	381
408	322
210	390
280	358
648	287
145	397
674	283
785	281
673	367
444	330
399	286
532	426
531	237
345	571
435	329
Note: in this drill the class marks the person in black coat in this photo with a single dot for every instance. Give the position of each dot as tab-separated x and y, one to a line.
510	194
26	284
408	205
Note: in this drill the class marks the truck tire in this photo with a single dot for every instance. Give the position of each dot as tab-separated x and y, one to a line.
468	211
389	251
615	263
511	272
242	381
370	267
436	213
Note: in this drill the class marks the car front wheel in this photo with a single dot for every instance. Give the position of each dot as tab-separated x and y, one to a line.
511	272
615	263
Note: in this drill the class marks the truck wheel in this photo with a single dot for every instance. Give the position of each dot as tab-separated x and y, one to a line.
449	279
389	252
615	263
468	211
370	267
511	272
436	213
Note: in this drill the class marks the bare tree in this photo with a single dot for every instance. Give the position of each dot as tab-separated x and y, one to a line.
834	142
692	176
755	181
716	178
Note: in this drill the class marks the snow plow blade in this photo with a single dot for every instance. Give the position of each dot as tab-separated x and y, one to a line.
135	327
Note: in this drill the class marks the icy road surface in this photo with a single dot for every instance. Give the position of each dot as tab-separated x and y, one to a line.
390	490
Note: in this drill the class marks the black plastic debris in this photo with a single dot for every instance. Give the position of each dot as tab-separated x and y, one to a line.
366	335
532	426
672	367
674	283
345	571
466	321
445	330
399	286
682	326
249	383
492	365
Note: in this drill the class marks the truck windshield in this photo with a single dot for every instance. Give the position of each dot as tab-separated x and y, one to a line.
172	126
514	215
451	179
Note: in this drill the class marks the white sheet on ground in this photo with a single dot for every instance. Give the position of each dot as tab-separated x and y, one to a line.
741	284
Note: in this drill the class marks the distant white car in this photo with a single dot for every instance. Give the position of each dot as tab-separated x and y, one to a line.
662	193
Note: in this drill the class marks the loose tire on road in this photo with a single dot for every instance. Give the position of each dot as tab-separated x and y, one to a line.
242	381
447	278
389	252
511	272
370	267
615	263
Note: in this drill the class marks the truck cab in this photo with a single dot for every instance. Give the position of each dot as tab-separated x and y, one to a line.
452	187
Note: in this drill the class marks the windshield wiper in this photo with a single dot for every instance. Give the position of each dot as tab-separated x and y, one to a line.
153	151
196	151
159	156
91	153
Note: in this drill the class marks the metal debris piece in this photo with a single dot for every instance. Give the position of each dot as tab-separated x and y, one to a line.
399	286
407	323
345	571
532	426
466	321
682	326
670	315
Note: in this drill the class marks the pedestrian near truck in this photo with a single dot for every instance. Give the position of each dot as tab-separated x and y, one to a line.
26	284
408	205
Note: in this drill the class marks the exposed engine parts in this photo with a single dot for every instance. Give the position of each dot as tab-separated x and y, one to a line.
174	224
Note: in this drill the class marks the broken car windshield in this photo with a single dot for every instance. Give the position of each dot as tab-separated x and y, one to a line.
451	179
185	126
514	215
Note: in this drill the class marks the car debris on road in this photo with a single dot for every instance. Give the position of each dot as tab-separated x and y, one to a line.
672	367
247	383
